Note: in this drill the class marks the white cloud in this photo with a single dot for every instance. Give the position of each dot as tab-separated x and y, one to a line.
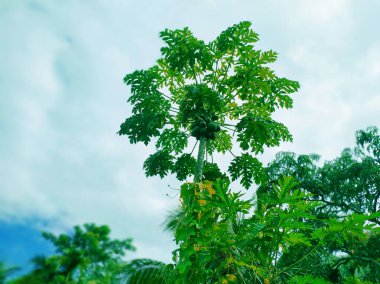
370	64
324	12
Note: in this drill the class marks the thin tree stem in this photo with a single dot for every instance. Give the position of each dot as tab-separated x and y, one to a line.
200	160
194	147
226	127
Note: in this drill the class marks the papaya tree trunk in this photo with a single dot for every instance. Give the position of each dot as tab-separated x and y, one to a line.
200	160
195	274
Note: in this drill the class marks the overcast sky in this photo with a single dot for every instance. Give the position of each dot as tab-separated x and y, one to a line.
62	99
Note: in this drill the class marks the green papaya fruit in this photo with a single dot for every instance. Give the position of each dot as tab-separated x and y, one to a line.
203	124
195	131
203	132
197	128
212	126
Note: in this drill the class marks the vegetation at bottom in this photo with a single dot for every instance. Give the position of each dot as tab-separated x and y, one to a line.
297	220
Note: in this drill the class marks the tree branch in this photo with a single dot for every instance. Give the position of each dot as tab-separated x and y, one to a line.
345	260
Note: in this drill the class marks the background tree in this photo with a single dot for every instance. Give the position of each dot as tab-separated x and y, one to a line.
349	184
87	254
5	272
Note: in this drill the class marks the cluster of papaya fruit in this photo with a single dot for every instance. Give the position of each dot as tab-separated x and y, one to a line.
205	125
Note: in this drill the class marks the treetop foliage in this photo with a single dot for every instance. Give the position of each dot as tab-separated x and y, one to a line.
220	91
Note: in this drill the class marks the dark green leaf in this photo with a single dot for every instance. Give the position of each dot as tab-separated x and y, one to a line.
184	166
172	140
247	168
158	164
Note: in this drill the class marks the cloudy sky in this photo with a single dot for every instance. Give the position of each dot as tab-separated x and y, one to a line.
62	100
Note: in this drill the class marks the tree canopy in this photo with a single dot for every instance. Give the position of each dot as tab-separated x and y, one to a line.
214	93
350	183
86	254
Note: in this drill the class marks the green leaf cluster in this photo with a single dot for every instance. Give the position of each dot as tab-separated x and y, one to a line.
248	168
221	241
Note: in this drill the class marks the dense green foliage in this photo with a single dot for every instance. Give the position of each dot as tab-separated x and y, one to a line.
347	185
221	241
350	183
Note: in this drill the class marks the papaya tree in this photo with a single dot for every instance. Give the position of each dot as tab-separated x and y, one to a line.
209	95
